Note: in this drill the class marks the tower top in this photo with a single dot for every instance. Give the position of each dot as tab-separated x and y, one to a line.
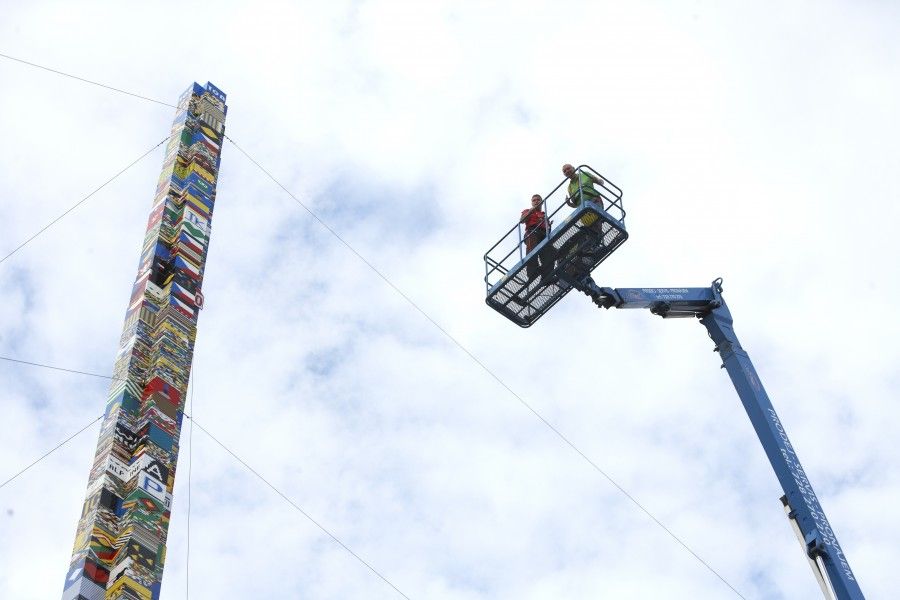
214	91
200	90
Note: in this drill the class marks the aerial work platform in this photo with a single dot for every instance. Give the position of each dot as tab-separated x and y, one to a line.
523	285
579	238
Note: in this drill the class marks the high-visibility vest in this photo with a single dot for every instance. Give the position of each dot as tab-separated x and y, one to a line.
587	188
587	191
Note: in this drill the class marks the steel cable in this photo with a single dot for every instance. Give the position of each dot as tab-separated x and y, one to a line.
80	202
51	451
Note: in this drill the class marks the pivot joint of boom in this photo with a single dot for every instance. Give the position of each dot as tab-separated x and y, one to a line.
603	297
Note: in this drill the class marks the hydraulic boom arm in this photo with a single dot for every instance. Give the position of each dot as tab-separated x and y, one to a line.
800	502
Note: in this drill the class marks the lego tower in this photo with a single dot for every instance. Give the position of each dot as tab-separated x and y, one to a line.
120	545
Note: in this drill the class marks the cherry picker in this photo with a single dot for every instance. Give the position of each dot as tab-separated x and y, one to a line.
582	240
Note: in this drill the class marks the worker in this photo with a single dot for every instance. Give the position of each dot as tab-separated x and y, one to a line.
536	229
581	187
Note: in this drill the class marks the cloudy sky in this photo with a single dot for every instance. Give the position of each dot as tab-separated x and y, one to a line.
753	141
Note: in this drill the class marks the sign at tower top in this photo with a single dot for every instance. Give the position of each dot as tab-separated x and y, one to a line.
216	92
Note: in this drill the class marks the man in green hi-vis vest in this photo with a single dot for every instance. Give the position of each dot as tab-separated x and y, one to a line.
581	186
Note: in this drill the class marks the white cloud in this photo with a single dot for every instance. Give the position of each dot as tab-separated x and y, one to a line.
756	144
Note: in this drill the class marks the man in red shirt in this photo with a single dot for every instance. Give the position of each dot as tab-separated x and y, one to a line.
536	228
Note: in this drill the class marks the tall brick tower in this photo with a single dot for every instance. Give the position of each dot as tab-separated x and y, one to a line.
120	545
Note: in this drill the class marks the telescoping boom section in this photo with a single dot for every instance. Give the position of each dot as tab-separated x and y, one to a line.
585	223
823	552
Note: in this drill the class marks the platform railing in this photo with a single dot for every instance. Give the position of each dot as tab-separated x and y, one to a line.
509	251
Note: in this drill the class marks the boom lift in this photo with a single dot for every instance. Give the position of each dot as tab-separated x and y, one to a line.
583	240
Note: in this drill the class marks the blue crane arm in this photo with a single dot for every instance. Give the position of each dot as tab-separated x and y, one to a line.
801	504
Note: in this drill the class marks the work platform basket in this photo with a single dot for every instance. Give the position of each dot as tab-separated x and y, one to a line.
523	286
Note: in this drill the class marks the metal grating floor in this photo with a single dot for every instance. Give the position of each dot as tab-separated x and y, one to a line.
581	243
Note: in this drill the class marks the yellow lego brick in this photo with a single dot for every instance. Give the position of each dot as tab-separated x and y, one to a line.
126	583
